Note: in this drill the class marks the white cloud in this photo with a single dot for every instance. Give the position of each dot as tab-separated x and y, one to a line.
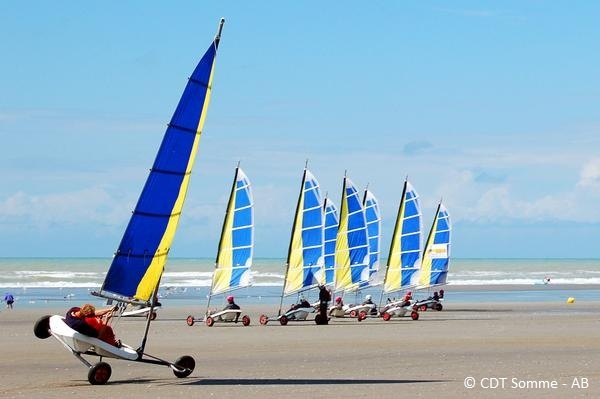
590	175
88	206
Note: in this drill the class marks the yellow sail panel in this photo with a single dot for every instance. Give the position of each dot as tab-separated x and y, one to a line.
343	278
295	272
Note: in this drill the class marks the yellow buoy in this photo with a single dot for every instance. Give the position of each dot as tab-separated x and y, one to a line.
570	300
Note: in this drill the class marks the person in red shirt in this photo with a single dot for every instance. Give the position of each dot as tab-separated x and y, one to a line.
96	319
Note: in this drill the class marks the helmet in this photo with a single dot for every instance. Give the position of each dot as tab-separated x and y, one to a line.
230	299
435	293
368	297
409	293
338	299
441	291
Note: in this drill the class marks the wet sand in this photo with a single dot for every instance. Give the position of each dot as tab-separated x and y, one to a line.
545	350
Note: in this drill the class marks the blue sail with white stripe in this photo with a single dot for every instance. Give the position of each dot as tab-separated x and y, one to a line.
305	255
330	233
352	246
373	221
404	259
436	255
234	257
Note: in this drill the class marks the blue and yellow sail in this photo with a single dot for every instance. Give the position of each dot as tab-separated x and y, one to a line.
352	246
436	255
330	234
234	257
139	261
373	221
305	255
404	258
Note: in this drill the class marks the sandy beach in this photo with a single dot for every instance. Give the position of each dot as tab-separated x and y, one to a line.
534	350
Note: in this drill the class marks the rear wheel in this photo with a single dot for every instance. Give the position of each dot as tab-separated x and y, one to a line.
41	328
210	321
414	315
153	316
246	321
283	320
99	373
386	316
362	315
186	364
423	308
190	320
353	313
263	320
438	307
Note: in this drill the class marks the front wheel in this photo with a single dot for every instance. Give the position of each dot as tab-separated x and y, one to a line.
414	315
283	320
362	315
190	320
386	316
186	365
246	321
41	328
99	373
438	307
353	313
263	320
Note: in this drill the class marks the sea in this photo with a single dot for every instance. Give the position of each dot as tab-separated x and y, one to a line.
46	282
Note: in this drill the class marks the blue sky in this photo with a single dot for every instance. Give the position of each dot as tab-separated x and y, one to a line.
491	105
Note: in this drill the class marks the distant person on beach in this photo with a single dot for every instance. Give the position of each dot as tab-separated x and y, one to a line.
369	301
407	299
303	303
324	298
9	299
337	309
94	323
546	280
231	305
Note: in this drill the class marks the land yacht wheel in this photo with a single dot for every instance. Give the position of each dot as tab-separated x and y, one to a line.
210	321
190	320
353	313
386	316
186	364
41	328
246	321
438	307
99	373
263	320
283	320
414	315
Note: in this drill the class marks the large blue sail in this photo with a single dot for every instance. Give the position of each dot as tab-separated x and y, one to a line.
139	262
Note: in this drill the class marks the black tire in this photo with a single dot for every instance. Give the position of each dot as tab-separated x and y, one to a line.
283	320
41	328
438	307
99	373
187	364
318	319
153	316
190	320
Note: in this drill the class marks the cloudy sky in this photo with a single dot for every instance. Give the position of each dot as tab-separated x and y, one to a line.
492	106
